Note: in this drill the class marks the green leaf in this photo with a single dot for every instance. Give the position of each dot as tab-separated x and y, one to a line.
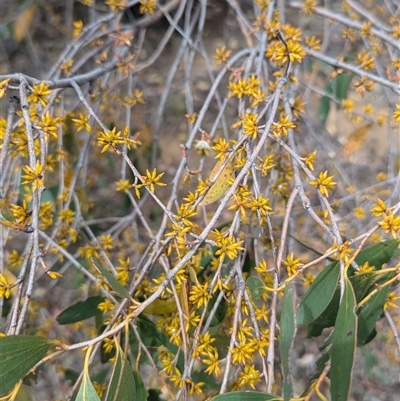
343	345
370	313
220	313
111	280
247	396
7	214
323	109
378	254
81	310
122	385
141	392
341	85
320	366
86	390
152	336
286	341
327	317
338	87
19	354
256	287
319	295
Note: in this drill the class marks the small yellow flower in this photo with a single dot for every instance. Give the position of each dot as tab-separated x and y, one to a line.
365	268
4	87
122	185
228	246
54	275
243	352
250	376
39	94
310	160
78	25
396	114
82	123
390	301
324	183
67	216
348	105
292	264
49	125
200	295
282	126
110	138
250	125
359	213
150	180
5	288
379	208
116	5
213	363
147	6
22	213
308	6
222	55
313	43
33	175
390	224
308	279
366	60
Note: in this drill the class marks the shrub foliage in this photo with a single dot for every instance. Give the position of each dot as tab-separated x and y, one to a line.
194	194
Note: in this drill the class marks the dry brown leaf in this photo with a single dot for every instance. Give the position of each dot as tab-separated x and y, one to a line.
355	139
23	23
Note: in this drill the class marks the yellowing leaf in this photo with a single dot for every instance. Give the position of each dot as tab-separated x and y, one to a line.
23	22
355	139
161	307
222	184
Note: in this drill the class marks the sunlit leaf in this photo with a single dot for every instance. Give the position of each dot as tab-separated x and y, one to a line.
222	183
161	307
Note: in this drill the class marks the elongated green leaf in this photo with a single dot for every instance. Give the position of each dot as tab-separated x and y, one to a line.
86	390
81	310
370	313
378	254
111	280
7	214
343	345
152	336
319	294
141	392
256	287
286	341
122	384
320	366
220	313
246	396
327	317
19	354
362	284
